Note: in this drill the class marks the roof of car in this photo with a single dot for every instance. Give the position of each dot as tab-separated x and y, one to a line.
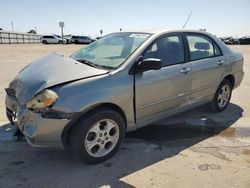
164	30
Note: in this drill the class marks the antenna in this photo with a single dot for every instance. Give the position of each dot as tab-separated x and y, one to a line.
187	20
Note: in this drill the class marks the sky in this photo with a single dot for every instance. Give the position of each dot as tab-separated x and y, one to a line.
87	17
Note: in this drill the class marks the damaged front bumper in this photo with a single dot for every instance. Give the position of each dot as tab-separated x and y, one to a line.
40	129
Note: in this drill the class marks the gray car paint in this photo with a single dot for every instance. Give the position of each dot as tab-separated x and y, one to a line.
81	88
48	71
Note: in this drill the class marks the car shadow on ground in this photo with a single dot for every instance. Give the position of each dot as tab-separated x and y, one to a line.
142	148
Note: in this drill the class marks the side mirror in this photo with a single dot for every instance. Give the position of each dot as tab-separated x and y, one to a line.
149	64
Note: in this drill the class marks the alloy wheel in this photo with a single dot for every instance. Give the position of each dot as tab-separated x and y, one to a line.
101	138
224	96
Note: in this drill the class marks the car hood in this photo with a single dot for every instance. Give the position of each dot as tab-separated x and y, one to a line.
48	71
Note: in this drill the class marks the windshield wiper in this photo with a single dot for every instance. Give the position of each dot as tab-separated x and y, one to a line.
84	61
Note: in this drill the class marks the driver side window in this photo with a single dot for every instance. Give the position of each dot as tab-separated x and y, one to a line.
168	49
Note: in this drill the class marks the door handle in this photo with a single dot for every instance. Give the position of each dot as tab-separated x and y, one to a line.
185	70
220	62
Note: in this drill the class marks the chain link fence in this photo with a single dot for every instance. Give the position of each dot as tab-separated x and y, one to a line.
7	37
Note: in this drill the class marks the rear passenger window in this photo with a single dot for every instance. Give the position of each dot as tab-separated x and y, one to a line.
169	49
201	47
217	50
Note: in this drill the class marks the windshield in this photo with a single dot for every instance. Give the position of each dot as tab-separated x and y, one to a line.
112	50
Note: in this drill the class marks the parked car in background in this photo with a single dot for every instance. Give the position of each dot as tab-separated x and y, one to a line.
81	40
123	81
67	40
244	40
52	39
230	40
32	31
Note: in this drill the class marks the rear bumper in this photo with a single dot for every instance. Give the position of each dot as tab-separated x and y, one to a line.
39	131
238	78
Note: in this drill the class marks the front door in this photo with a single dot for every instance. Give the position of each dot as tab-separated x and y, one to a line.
54	39
159	91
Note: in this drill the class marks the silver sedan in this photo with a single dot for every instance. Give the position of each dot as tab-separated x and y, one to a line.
88	101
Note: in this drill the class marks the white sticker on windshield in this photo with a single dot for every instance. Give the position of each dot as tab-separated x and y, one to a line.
139	35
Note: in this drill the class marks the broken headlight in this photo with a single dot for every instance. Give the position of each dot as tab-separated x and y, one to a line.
46	98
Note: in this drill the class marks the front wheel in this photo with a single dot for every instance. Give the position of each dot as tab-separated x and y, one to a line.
222	96
98	135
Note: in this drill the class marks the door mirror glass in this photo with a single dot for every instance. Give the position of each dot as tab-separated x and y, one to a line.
149	64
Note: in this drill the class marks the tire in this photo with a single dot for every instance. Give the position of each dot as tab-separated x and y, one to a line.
60	42
103	129
76	42
44	42
223	93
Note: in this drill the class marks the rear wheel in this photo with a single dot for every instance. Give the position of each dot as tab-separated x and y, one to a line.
222	96
98	135
60	41
44	42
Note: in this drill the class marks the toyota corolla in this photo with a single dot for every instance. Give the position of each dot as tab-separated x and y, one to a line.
88	101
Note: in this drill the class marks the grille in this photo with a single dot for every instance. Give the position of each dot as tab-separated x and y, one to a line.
10	92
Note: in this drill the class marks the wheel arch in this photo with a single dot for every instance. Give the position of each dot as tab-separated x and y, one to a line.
67	128
231	78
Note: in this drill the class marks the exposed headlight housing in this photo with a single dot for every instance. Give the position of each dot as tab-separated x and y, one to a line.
46	98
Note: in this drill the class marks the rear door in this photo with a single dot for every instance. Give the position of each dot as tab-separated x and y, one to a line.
159	91
207	63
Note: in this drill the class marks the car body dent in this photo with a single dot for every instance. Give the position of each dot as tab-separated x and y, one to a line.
48	71
44	132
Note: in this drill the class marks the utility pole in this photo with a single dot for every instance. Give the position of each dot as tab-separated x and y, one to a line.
62	32
61	24
12	27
